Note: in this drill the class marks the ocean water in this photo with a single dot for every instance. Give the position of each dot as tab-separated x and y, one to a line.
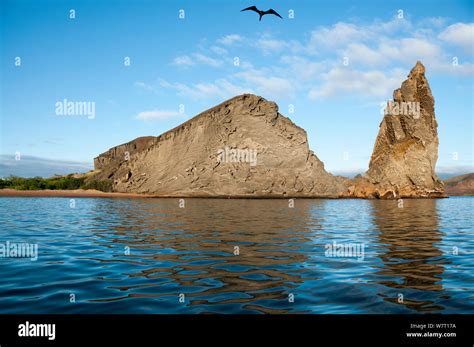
237	256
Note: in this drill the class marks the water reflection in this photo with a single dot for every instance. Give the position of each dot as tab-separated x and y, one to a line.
234	252
413	263
137	256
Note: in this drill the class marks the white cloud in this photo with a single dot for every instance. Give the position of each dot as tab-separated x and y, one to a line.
268	45
335	36
395	25
144	86
380	55
218	50
462	69
204	59
268	85
183	60
230	39
461	34
199	58
339	81
301	68
434	21
157	115
394	51
359	53
413	49
220	88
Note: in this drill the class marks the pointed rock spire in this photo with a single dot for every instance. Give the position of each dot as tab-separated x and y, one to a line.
406	150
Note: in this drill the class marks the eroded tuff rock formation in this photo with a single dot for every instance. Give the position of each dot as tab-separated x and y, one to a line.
406	150
245	148
242	147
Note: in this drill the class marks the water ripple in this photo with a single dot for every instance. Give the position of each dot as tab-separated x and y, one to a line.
238	256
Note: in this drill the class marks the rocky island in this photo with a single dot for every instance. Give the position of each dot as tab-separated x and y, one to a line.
406	150
244	147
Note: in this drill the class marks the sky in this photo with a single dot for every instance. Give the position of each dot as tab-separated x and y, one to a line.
148	66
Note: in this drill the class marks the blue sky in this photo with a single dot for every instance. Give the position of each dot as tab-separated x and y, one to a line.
190	62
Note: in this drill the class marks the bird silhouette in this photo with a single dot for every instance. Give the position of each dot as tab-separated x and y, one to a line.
261	13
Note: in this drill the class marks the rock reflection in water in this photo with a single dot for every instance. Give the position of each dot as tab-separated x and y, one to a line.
412	261
197	247
138	256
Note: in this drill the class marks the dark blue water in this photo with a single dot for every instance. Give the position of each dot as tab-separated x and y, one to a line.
418	258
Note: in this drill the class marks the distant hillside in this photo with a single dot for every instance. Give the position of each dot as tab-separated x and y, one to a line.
31	166
460	185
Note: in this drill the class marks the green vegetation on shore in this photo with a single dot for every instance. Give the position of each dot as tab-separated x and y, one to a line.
54	183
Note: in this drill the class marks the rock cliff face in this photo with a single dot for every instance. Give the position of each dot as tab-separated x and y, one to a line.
406	150
245	148
242	147
114	156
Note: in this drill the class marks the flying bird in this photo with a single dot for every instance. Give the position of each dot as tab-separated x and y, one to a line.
261	13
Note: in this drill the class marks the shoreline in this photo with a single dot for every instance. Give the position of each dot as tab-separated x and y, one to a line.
91	193
77	193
